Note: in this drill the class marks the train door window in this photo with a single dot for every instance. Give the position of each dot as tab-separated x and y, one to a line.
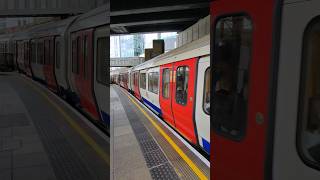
102	47
166	83
40	53
232	49
74	56
206	93
182	79
58	59
85	57
309	108
52	53
33	52
46	53
143	80
153	80
78	51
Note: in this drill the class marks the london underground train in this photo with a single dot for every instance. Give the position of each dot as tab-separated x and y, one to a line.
70	57
176	87
265	98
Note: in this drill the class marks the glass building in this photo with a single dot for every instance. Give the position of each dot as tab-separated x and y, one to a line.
134	45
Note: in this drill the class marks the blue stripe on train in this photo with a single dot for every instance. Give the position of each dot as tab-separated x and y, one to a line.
206	145
105	118
152	106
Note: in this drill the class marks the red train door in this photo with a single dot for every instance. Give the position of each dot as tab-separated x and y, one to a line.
136	84
183	97
85	77
26	58
242	45
166	93
48	66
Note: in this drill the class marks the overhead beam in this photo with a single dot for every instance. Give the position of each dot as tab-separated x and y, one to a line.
160	9
161	21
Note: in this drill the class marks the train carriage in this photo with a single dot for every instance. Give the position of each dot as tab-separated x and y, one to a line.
171	85
87	63
70	57
49	54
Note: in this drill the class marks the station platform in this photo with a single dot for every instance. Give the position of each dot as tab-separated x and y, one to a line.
43	138
144	147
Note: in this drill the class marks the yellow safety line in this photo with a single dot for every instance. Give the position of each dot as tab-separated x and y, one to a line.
75	126
194	168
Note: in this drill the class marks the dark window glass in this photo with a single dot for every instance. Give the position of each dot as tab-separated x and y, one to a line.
143	80
74	56
309	108
102	66
46	52
85	57
40	52
33	52
153	80
166	83
182	78
206	91
58	55
79	51
232	49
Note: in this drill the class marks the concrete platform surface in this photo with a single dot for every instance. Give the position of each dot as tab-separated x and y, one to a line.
38	143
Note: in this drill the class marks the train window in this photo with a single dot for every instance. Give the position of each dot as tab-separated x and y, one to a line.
40	53
46	53
153	82
102	47
309	107
74	56
206	93
143	80
58	58
33	52
78	51
85	56
166	83
182	80
232	49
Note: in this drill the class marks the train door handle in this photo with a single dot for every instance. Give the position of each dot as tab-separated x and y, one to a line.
259	118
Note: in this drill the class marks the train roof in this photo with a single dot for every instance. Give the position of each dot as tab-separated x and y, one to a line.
120	70
200	47
6	37
94	18
53	28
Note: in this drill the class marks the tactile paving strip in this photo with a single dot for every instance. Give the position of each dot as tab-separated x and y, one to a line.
163	172
158	164
13	120
66	162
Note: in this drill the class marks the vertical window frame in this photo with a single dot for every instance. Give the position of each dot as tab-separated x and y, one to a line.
302	93
85	57
57	54
99	77
186	100
169	71
204	89
213	49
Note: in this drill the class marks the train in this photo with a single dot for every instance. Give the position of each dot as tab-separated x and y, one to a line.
265	81
176	87
70	57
